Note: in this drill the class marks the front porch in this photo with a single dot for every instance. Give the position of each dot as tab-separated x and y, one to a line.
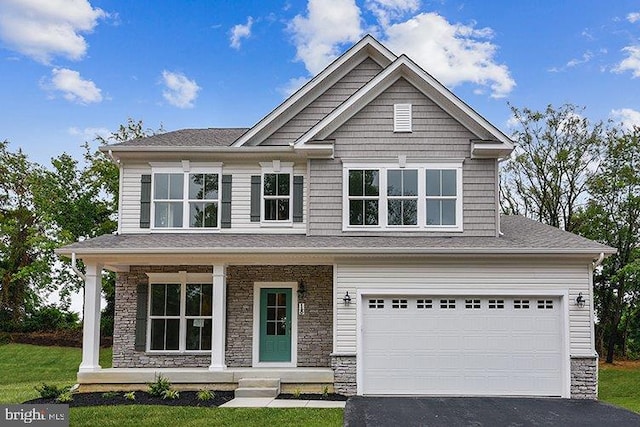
124	379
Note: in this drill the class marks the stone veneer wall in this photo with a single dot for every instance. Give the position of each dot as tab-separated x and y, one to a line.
344	374
584	378
124	323
315	327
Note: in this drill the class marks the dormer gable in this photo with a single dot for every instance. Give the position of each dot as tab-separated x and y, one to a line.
368	47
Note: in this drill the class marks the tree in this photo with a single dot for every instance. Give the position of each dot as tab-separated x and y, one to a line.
545	179
612	216
26	252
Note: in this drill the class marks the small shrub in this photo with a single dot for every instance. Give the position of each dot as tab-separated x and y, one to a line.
296	393
204	395
5	338
159	386
65	397
325	392
170	394
48	391
130	396
110	394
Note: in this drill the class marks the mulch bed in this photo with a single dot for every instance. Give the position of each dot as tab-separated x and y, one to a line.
310	396
187	398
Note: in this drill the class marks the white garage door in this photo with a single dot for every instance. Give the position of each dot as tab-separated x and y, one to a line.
467	345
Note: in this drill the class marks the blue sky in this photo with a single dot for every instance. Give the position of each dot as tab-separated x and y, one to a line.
74	68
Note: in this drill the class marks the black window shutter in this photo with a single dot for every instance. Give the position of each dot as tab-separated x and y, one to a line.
225	211
298	189
141	317
255	197
145	201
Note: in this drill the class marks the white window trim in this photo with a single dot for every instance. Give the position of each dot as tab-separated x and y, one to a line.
383	166
257	286
276	167
183	279
185	168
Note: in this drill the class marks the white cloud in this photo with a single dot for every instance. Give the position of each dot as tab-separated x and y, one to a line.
633	17
179	90
627	117
631	62
73	87
319	35
389	10
89	133
239	32
453	53
42	29
293	85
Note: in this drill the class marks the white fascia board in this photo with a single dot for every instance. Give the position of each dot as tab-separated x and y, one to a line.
382	251
423	81
489	150
367	47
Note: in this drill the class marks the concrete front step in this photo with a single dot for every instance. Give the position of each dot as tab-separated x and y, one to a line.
257	392
258	382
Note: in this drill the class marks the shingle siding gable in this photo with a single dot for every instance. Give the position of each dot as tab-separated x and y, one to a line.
325	103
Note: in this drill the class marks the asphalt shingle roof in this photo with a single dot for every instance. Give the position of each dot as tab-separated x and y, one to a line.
220	137
520	235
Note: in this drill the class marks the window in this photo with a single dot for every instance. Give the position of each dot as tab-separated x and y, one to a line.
472	303
441	196
203	200
424	303
520	303
180	317
376	303
399	303
363	197
402	197
496	303
447	303
168	194
276	190
186	197
545	304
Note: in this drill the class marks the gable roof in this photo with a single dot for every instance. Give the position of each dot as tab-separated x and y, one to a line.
368	47
403	67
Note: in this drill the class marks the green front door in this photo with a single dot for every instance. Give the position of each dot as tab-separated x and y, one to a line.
275	325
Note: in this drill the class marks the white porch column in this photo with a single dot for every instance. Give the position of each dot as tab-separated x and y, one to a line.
219	318
91	318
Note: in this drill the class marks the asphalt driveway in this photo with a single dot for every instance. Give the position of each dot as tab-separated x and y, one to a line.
483	411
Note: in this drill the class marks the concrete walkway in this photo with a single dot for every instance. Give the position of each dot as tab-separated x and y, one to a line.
270	402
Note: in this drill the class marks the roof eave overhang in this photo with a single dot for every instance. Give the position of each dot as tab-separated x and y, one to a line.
489	150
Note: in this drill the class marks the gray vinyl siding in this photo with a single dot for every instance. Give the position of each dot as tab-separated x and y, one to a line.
240	200
325	103
369	134
470	275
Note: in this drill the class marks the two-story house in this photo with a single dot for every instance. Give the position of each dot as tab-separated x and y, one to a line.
351	238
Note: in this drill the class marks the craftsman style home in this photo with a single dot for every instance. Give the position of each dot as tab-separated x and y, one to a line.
352	238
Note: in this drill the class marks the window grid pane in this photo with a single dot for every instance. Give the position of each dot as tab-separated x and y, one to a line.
363	197
277	190
441	197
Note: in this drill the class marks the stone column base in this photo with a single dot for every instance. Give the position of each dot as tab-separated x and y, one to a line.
344	374
584	377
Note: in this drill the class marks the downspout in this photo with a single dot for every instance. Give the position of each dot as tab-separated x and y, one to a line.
75	268
499	160
597	262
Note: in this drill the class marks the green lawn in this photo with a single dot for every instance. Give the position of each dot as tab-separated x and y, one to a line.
619	384
24	366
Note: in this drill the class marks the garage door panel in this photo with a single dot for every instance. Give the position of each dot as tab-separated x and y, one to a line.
513	348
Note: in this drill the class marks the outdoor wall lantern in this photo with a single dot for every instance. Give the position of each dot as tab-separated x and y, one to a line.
302	289
580	300
346	299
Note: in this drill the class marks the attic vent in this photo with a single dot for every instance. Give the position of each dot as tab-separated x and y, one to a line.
402	117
